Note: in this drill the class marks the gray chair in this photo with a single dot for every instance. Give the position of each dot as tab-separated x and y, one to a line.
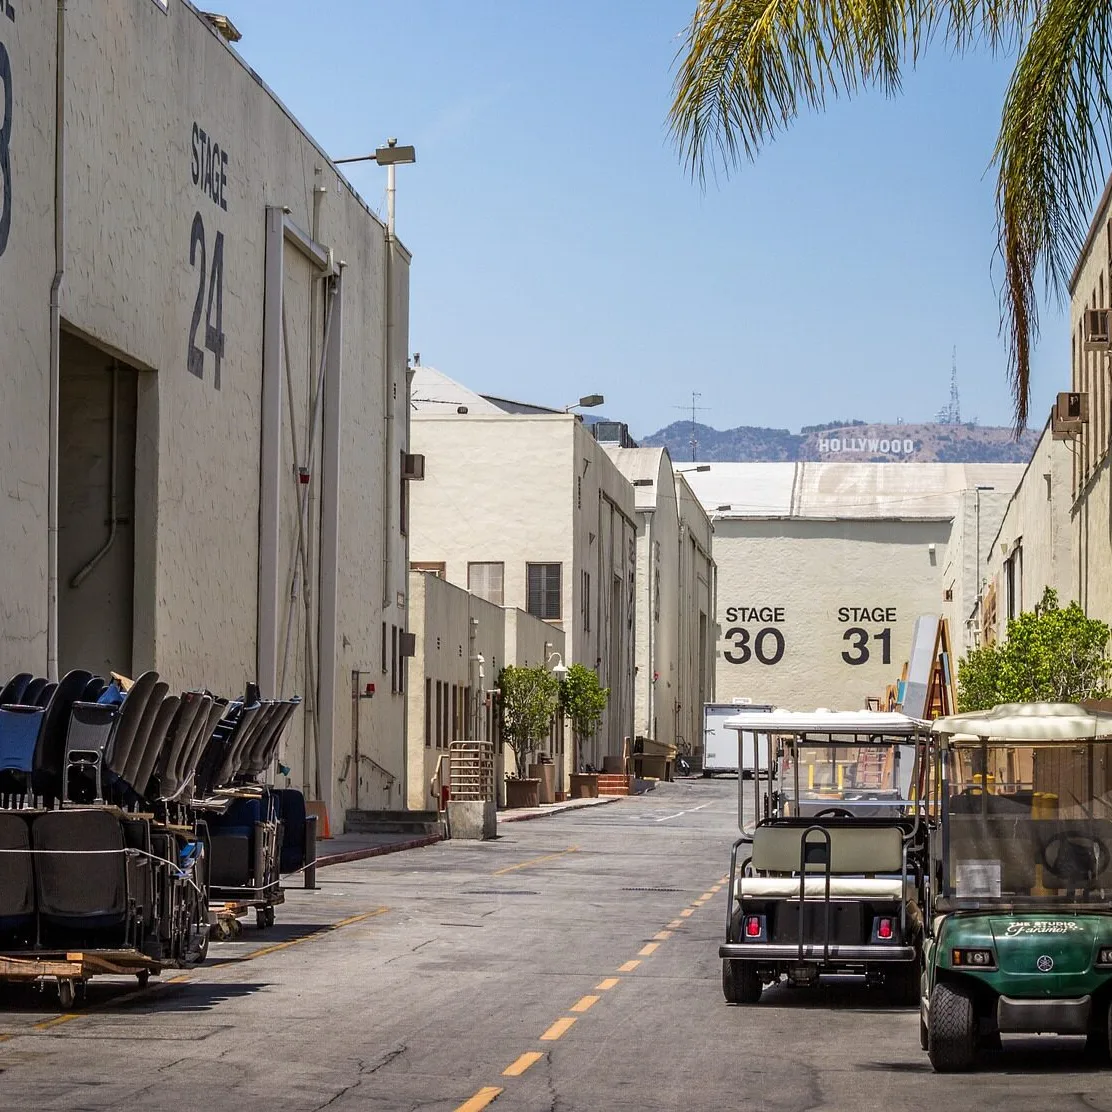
139	770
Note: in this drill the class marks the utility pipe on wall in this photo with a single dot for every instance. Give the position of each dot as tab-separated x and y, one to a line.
56	347
80	576
650	700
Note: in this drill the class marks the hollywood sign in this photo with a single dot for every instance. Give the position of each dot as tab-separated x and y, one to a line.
887	447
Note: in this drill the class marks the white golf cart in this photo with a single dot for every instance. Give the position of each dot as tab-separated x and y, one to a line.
837	846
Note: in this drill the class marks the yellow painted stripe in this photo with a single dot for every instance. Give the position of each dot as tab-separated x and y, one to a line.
629	967
674	924
706	896
724	880
180	979
559	1029
687	911
698	903
480	1100
46	1024
529	1058
534	861
662	936
607	985
307	937
647	949
584	1003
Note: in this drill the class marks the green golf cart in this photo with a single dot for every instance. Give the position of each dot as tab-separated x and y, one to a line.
1019	930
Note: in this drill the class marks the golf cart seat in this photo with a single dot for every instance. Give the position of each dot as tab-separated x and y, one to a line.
865	863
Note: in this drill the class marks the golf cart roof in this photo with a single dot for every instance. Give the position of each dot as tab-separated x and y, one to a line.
1030	722
821	721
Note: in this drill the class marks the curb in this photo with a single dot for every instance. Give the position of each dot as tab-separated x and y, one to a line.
376	851
563	810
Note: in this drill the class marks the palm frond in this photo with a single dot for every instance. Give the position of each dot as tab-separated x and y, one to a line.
1052	155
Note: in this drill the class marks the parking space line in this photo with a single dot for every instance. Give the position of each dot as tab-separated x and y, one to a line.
534	861
629	966
46	1024
480	1100
584	1003
559	1029
607	984
529	1058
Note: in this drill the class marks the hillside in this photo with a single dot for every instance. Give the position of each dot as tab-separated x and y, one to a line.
847	441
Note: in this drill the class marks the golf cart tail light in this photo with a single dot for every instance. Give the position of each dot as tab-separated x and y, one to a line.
884	929
753	926
1105	955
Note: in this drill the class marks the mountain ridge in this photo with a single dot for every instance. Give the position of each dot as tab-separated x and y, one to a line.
847	442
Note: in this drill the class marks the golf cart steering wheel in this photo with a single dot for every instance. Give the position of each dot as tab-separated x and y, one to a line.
1080	858
833	813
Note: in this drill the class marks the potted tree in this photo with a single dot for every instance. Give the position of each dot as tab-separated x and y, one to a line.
529	700
583	700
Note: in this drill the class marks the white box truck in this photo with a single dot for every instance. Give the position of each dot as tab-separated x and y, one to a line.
720	746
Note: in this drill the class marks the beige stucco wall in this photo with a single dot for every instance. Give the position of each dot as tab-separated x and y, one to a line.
536	489
1091	288
1037	525
798	575
139	82
26	272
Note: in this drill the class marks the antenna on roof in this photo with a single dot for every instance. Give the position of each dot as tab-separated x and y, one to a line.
695	395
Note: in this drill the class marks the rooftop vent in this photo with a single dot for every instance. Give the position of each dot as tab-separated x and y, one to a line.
224	25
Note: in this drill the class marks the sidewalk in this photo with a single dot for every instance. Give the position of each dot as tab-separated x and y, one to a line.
521	814
342	848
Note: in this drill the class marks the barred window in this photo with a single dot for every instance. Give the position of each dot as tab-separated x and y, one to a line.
486	581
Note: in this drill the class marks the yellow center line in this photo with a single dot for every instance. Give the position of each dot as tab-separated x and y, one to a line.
706	895
529	1058
724	880
687	911
534	861
606	985
180	979
584	1003
647	949
662	936
629	967
560	1028
675	924
480	1100
305	938
46	1024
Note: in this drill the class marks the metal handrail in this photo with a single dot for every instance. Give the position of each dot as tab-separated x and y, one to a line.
743	840
803	843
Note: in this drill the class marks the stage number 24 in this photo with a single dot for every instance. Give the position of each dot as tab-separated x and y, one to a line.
214	310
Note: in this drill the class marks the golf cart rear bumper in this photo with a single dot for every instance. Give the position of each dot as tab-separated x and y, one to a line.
767	951
1062	1017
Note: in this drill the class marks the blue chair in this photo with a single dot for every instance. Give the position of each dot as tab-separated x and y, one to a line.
12	691
46	772
19	734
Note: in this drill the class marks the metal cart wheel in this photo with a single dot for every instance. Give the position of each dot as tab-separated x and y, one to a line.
270	915
260	918
67	992
143	977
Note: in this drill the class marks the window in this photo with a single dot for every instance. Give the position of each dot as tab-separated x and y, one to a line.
428	713
433	568
403	500
485	581
444	720
385	667
585	601
439	712
455	712
393	659
543	591
1013	575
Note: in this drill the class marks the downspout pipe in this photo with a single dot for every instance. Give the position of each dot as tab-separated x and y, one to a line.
650	618
56	346
80	576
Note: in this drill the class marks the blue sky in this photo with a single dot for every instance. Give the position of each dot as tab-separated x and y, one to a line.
560	248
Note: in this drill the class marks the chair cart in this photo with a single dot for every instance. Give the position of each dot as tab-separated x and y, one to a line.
836	837
1019	926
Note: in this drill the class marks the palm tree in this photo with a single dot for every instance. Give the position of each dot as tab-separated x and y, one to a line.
748	67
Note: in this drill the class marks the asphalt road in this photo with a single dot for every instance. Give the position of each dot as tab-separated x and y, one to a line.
572	964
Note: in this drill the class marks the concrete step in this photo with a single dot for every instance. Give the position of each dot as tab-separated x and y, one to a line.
391	822
610	783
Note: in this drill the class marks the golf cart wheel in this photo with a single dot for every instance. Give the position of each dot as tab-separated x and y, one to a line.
740	982
952	1031
1098	1041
